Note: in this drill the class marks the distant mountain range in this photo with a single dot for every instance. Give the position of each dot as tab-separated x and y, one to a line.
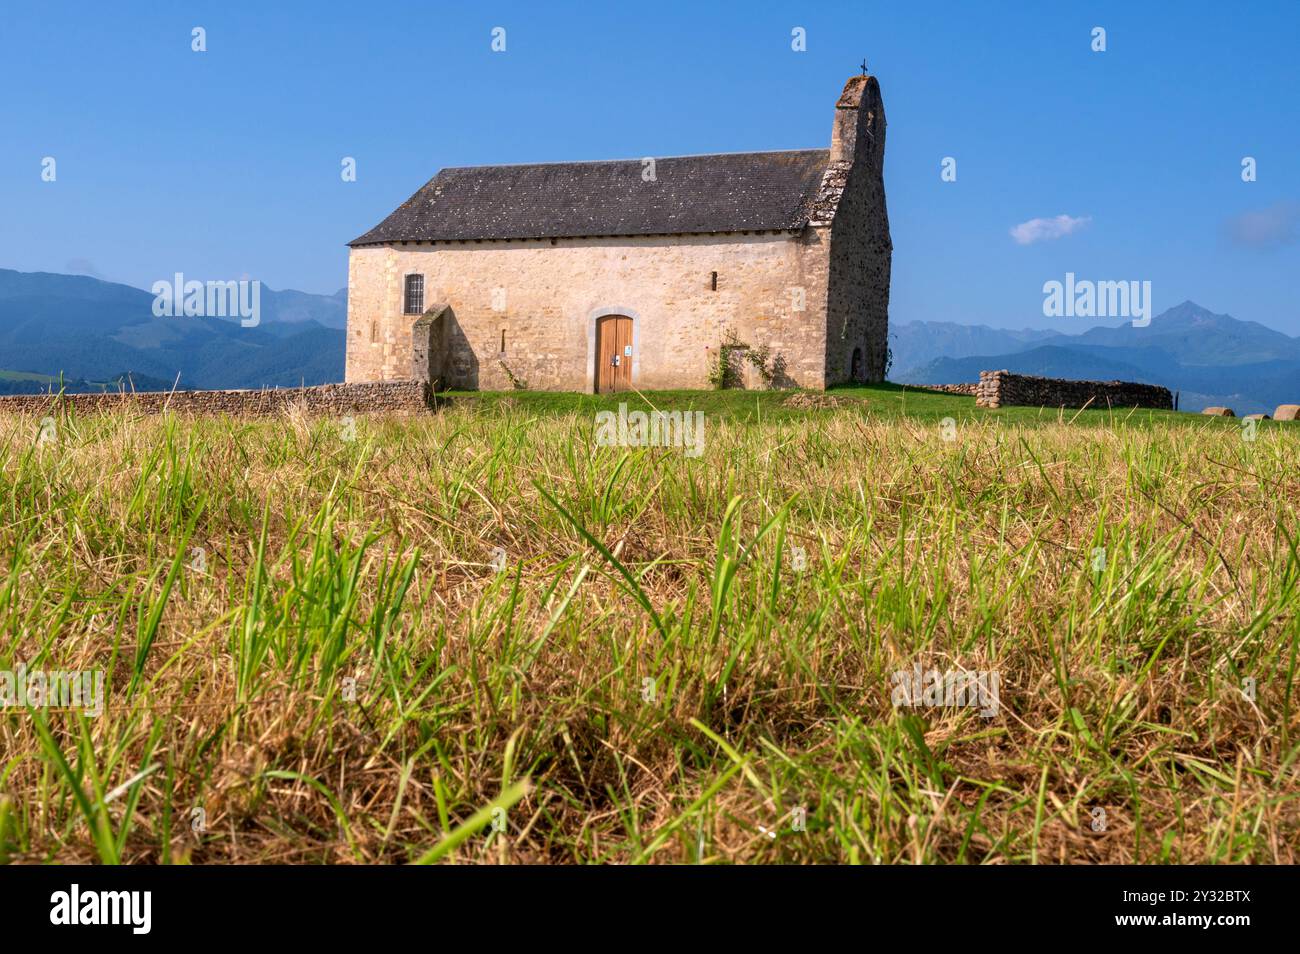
92	334
1207	358
95	335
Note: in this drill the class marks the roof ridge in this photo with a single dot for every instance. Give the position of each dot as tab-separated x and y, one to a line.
599	162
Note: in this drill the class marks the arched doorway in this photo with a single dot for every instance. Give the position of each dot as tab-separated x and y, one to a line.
856	373
613	353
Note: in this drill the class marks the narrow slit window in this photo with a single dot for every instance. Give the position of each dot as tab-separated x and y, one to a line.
503	341
713	281
414	295
374	332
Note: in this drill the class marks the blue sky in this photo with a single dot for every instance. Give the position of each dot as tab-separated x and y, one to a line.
226	164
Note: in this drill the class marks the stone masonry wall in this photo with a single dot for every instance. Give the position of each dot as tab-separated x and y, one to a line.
397	396
545	297
857	308
967	389
1004	389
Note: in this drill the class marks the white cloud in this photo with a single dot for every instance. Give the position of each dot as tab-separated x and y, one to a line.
1041	230
1278	224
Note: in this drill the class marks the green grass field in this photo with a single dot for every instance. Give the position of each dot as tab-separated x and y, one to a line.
476	636
888	402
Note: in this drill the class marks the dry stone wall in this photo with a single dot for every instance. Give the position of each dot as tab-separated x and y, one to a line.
391	396
1004	389
968	389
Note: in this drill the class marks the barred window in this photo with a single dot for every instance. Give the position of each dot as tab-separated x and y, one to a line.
414	295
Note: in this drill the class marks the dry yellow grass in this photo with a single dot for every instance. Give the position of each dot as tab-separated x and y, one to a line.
310	651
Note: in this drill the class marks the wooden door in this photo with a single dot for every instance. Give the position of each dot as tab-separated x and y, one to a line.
613	353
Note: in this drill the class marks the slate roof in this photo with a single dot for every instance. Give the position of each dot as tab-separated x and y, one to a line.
728	192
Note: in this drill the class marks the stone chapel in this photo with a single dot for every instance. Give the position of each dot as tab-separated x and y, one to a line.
639	273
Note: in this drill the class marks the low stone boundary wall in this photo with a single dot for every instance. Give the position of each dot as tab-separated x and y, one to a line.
948	388
387	396
1004	389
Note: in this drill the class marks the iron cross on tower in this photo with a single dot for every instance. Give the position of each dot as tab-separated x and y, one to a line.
864	66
